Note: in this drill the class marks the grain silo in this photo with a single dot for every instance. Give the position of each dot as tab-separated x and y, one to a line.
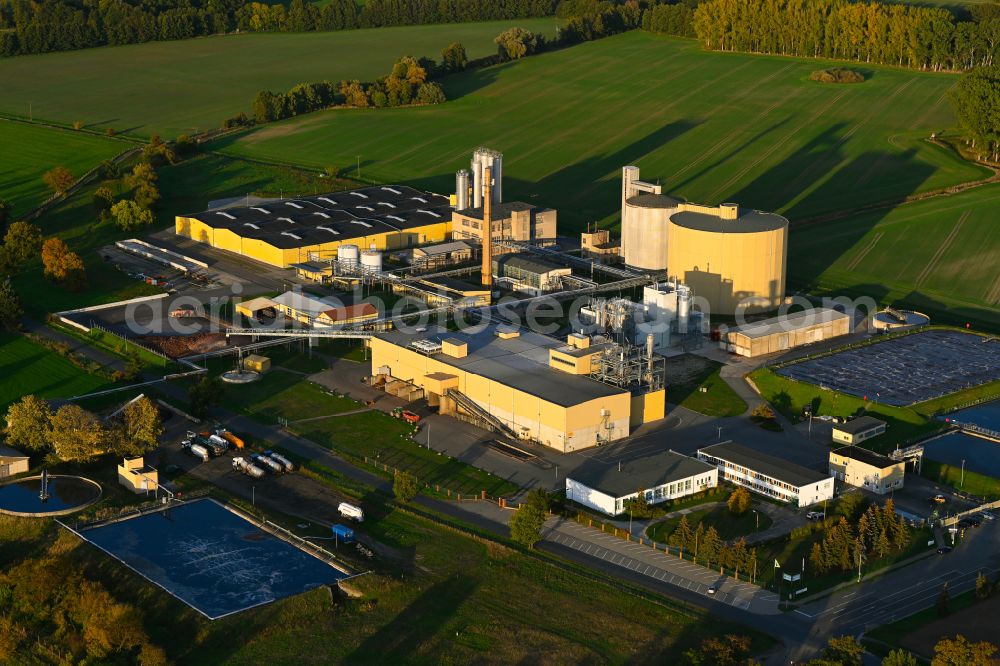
733	257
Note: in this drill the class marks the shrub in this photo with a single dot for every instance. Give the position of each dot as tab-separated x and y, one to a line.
837	75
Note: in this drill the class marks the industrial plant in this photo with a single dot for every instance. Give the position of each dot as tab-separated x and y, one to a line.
732	257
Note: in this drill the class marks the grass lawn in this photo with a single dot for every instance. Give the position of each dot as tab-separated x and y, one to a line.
26	367
974	483
188	85
284	395
693	120
444	599
725	523
789	396
719	400
937	256
28	151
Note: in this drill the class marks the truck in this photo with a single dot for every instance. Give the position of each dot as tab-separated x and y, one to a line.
248	468
343	534
351	512
215	447
406	415
196	450
267	463
285	462
234	441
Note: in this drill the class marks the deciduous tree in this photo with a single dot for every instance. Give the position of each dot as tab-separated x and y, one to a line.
59	179
10	306
739	501
130	216
62	264
404	486
899	658
527	522
454	58
76	434
22	242
138	428
959	651
29	424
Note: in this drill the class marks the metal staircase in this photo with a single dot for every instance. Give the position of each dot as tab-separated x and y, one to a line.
480	416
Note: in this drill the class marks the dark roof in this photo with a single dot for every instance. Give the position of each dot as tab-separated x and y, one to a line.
860	424
521	363
638	474
747	222
500	211
866	456
776	468
525	262
337	216
312	266
653	201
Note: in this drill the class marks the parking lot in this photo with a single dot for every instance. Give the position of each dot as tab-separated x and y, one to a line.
906	370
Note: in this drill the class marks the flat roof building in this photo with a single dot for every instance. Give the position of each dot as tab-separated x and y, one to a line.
785	332
768	475
137	476
433	256
605	487
512	220
503	375
528	273
282	232
12	462
866	469
857	430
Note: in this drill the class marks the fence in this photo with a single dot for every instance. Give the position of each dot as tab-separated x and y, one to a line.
951	520
443	491
129	341
666	549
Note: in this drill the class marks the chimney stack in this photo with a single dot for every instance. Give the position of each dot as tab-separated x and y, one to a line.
488	227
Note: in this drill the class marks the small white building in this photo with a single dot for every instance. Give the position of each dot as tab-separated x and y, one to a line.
768	475
12	462
605	487
857	430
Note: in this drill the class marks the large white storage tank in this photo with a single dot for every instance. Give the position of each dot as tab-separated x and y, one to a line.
347	255
645	220
371	261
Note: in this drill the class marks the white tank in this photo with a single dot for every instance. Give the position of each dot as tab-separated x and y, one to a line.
477	181
461	189
348	255
371	261
683	308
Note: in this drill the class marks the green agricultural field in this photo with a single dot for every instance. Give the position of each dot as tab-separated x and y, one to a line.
26	367
711	127
28	151
184	86
938	255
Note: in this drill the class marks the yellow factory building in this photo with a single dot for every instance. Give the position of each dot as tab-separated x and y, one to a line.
535	386
295	231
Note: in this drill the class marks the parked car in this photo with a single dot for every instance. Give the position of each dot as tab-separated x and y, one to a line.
814	515
939	499
988	516
944	550
712	590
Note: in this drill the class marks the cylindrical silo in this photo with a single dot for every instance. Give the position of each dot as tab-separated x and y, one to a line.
732	257
461	189
497	177
477	181
644	230
347	255
371	261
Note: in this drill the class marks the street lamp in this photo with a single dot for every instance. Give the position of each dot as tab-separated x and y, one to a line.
757	516
962	483
720	432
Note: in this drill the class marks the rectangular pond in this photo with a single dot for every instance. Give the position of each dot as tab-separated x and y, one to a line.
211	558
905	370
980	455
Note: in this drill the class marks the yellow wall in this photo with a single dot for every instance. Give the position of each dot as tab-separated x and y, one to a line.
648	407
227	239
563	428
856	473
726	268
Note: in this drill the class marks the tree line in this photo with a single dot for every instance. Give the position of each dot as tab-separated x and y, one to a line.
976	99
28	26
927	38
879	531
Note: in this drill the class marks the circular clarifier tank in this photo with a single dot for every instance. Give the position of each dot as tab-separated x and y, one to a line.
65	494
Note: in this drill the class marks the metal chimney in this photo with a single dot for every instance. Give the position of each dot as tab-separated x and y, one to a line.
487	228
